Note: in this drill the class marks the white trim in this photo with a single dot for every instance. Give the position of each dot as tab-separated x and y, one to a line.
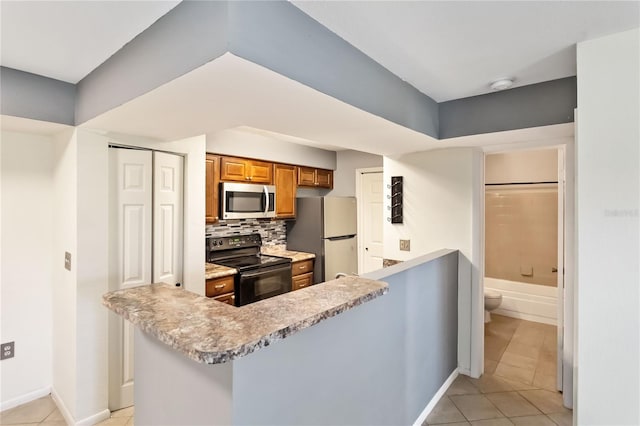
94	419
359	210
523	316
436	398
23	399
68	418
63	408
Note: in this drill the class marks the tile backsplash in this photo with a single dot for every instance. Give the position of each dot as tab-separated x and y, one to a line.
273	232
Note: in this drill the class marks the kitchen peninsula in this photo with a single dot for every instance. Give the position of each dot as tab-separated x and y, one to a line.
334	353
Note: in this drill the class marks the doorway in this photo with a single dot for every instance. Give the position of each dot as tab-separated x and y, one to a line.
145	243
524	251
369	195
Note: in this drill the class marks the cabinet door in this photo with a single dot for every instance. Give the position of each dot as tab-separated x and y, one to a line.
213	179
234	169
260	171
324	178
302	281
301	267
218	286
285	181
306	176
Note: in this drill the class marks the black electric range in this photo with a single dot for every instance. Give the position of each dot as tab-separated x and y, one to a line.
259	276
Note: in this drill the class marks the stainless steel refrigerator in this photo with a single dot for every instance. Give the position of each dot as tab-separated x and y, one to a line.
327	227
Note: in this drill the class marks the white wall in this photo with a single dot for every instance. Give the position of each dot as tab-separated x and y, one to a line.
441	203
608	198
91	272
243	143
64	282
344	177
27	233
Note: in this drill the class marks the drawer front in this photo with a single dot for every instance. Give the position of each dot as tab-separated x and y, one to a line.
302	267
229	299
219	286
302	281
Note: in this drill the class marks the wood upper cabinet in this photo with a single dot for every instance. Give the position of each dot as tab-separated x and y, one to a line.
316	178
285	182
244	170
212	181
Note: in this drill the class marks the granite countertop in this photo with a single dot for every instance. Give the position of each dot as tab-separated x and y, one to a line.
295	256
211	332
211	271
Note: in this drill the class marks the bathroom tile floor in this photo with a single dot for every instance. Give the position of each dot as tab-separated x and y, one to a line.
518	385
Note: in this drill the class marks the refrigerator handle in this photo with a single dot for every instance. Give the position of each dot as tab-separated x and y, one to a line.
343	237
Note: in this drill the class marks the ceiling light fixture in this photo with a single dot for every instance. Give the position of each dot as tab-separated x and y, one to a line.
501	84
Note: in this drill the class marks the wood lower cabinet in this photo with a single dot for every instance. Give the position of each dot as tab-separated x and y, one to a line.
285	182
302	281
301	274
221	289
236	169
315	178
212	182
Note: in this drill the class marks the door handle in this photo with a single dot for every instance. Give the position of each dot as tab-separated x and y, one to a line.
266	199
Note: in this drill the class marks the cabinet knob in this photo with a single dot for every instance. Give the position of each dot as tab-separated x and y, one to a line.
218	286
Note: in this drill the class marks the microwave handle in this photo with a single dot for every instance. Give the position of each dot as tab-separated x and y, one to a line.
266	199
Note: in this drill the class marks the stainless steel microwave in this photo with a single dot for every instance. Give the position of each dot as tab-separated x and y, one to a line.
247	200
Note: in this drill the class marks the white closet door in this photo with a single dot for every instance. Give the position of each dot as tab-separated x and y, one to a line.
130	256
167	217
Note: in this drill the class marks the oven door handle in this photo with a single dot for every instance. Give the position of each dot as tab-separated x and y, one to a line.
266	270
266	199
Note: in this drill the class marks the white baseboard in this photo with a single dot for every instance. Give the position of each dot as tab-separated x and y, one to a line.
94	419
23	399
87	421
430	406
527	317
63	408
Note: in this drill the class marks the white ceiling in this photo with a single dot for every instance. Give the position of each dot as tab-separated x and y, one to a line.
446	49
66	40
231	92
454	49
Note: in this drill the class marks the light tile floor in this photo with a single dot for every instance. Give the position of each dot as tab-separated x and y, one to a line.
43	411
518	386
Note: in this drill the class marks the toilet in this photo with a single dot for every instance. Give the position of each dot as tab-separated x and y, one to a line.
492	300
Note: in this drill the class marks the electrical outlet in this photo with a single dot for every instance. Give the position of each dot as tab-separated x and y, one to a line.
405	245
67	260
8	350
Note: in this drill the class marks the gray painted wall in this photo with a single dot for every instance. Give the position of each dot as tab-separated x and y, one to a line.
36	97
541	104
379	363
344	178
281	37
190	35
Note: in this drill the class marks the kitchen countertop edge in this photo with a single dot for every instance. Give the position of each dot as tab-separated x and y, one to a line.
128	304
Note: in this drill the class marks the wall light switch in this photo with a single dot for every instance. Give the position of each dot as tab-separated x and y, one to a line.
67	260
7	350
405	245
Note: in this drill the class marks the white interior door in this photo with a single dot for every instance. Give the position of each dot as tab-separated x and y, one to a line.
130	257
167	217
372	217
